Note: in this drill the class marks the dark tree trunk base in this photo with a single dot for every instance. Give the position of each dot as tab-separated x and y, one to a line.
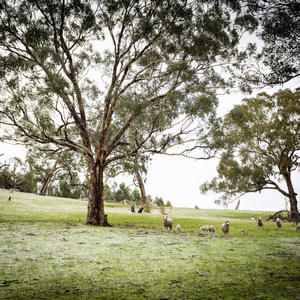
103	222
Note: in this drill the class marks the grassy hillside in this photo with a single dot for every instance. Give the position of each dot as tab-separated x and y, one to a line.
47	253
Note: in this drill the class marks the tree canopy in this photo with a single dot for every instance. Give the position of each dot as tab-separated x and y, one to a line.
278	26
261	147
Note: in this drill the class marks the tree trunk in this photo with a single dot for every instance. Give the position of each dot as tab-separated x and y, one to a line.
143	192
45	185
95	213
292	194
140	182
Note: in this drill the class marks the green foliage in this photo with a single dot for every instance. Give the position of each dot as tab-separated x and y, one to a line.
15	175
136	196
261	146
158	201
67	191
278	28
122	193
168	204
160	66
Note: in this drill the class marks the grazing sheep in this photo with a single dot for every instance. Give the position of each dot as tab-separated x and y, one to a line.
253	219
278	223
260	223
212	230
204	228
178	228
225	228
167	222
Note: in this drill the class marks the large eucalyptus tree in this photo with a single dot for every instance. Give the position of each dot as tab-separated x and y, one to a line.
79	74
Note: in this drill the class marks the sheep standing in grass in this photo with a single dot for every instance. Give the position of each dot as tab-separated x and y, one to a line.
260	223
278	223
167	222
225	228
204	228
212	230
178	228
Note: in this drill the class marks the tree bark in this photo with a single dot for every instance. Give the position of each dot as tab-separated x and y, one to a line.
142	189
95	211
292	194
140	182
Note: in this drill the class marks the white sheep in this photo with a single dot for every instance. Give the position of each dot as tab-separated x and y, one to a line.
167	222
278	223
178	228
212	230
204	228
260	223
225	228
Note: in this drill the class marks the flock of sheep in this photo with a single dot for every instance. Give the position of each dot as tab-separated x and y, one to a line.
168	223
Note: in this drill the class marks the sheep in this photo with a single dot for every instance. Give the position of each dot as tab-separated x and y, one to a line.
225	228
167	222
278	223
253	219
204	228
212	230
178	228
259	222
298	228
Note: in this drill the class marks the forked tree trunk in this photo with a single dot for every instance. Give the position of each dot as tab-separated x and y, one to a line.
95	213
49	177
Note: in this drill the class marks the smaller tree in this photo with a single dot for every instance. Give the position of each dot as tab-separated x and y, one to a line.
168	204
121	192
16	175
260	142
68	191
58	166
159	201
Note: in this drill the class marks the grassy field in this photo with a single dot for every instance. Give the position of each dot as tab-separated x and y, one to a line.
46	252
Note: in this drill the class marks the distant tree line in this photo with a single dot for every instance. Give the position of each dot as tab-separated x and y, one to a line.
31	177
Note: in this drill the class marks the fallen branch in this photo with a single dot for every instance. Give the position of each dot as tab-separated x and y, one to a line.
291	216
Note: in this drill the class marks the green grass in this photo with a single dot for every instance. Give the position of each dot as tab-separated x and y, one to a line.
47	253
